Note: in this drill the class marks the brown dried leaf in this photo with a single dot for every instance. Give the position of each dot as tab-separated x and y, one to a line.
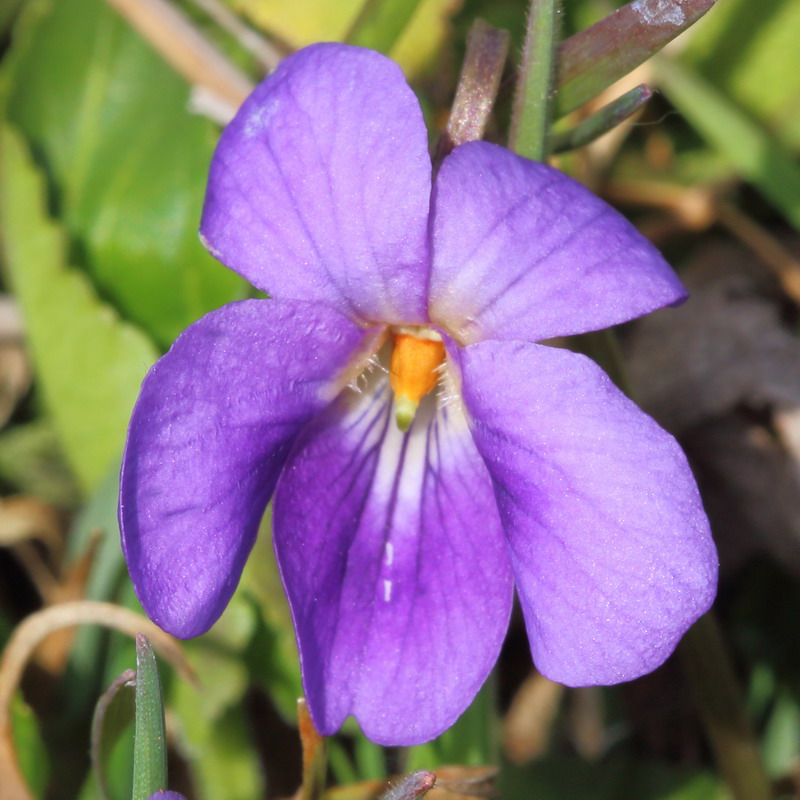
24	518
750	490
460	782
725	347
722	372
527	725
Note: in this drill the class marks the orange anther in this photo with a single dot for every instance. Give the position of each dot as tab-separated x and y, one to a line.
414	370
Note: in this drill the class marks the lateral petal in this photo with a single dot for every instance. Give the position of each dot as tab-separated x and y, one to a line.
612	553
394	562
319	188
522	251
207	439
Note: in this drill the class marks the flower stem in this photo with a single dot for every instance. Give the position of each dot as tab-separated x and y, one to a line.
530	122
707	666
487	50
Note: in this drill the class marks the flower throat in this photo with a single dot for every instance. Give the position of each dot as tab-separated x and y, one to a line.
417	357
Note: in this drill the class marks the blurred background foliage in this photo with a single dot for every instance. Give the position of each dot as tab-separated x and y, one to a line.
104	149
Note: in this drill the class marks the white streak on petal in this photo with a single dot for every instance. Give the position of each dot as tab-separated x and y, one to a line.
387	591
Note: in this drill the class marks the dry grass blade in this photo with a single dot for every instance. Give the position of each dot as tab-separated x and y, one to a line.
174	36
24	518
29	634
268	54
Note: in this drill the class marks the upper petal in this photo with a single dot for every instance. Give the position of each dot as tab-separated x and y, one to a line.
207	439
611	549
521	251
394	562
320	186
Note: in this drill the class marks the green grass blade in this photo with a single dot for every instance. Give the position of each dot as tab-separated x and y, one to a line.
755	154
150	745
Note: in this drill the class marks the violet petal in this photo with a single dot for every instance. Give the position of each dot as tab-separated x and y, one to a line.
208	436
521	251
612	554
319	188
394	562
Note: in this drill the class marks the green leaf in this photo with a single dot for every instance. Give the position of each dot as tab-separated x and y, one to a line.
127	163
219	746
89	362
29	745
751	150
112	738
97	518
150	742
213	728
272	655
749	52
33	462
781	741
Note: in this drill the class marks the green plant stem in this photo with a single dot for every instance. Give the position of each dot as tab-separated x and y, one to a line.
707	666
530	123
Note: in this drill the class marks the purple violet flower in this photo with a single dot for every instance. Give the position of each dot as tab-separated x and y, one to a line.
399	549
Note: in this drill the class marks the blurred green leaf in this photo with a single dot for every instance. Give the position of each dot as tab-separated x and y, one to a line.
749	51
127	163
380	23
781	740
616	778
31	751
220	750
756	156
97	518
415	45
33	462
272	654
89	362
213	727
112	741
7	11
472	741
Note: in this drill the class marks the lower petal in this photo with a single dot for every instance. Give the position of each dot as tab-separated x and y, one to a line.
208	437
394	562
611	548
